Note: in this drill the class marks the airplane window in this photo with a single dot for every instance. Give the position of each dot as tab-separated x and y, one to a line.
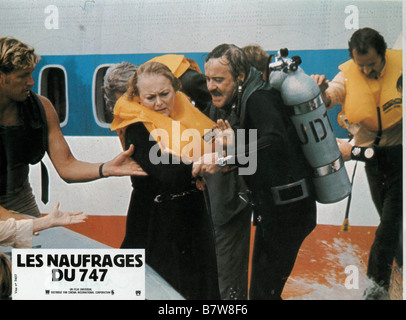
103	115
53	85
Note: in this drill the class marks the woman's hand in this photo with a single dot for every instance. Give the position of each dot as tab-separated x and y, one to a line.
57	218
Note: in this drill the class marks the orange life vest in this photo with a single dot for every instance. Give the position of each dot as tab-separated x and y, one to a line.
177	63
364	95
184	133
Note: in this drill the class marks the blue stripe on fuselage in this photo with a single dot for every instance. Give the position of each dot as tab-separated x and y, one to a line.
80	71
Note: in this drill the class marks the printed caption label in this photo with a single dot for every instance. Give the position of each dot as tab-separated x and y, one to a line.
78	274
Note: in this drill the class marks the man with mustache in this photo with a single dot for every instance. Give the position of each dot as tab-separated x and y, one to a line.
283	201
366	87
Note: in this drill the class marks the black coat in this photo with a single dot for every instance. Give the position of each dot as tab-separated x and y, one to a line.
177	234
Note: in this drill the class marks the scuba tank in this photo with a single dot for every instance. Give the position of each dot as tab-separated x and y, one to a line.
301	94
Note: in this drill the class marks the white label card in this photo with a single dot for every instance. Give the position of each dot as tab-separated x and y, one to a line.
78	274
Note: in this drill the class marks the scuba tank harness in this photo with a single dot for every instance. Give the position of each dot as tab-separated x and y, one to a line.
301	94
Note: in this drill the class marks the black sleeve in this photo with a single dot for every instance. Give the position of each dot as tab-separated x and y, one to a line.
269	156
171	173
263	114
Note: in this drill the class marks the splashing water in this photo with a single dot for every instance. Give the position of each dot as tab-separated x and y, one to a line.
344	274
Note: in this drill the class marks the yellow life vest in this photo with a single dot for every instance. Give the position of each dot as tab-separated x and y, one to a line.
364	95
186	133
177	63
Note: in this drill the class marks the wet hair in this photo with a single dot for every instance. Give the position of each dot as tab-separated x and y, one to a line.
116	80
151	68
16	55
257	57
236	58
366	38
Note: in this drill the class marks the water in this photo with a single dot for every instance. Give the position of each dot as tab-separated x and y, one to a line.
343	275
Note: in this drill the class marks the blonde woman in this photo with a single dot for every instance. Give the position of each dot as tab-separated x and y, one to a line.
167	214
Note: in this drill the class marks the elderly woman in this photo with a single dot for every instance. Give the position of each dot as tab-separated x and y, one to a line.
115	82
167	214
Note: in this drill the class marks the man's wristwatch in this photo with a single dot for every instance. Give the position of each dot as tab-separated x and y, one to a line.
222	161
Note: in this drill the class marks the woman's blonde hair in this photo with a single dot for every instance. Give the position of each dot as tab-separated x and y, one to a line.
16	55
149	68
